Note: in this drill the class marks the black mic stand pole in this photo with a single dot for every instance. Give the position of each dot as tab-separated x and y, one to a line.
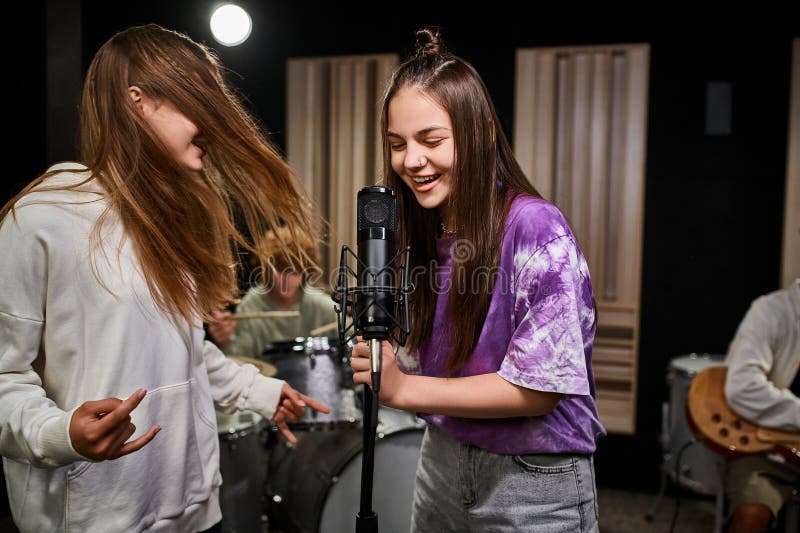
367	519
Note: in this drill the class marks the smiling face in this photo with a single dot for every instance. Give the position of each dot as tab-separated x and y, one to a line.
423	152
179	134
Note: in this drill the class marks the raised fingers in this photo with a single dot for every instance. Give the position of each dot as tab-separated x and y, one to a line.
137	444
286	431
314	404
100	408
118	440
122	411
99	429
300	401
291	411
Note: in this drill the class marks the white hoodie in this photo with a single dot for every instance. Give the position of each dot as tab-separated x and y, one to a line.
67	338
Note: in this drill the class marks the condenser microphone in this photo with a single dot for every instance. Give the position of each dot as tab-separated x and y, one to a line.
379	308
374	307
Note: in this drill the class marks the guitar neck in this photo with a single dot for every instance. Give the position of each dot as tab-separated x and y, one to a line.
776	436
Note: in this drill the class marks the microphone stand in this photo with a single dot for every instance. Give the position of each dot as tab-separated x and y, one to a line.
367	519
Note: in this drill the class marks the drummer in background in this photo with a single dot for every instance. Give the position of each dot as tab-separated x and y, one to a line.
278	289
763	385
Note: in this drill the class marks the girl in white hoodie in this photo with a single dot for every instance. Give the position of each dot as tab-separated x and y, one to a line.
110	266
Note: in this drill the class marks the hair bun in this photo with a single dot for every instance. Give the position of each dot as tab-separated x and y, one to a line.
428	42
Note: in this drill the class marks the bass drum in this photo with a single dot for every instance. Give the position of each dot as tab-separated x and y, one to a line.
315	485
243	466
700	469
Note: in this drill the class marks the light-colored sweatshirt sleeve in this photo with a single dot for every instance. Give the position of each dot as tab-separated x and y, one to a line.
33	429
240	387
750	360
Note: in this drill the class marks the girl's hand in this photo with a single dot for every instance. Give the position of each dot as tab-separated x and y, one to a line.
393	380
99	429
292	406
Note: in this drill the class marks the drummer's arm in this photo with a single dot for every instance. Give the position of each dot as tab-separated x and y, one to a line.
244	340
221	328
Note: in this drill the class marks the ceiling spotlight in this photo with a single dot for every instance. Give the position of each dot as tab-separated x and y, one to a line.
230	25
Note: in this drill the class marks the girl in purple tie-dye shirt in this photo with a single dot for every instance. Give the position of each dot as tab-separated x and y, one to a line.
499	355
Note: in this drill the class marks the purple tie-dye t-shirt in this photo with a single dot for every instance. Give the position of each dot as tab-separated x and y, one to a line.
538	334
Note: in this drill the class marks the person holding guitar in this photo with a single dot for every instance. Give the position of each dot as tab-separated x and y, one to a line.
763	386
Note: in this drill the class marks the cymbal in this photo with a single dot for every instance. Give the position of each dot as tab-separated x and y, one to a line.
265	368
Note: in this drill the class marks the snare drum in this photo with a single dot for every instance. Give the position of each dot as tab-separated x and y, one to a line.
243	466
315	485
317	367
700	469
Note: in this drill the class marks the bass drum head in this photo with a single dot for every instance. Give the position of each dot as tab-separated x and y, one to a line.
315	486
700	467
690	364
396	456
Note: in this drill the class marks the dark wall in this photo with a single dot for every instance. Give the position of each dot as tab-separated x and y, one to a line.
25	139
713	205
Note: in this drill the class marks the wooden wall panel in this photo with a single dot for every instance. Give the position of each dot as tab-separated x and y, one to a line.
333	136
579	133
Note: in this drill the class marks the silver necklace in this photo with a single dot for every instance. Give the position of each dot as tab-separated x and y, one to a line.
447	232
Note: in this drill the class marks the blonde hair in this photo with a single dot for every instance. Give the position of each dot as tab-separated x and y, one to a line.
183	224
275	252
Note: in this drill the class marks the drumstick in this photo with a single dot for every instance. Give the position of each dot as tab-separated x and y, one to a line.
322	329
266	314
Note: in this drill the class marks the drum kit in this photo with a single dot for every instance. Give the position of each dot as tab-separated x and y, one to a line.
686	461
699	469
270	484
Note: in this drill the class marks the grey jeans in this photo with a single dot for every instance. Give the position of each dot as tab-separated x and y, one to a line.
466	489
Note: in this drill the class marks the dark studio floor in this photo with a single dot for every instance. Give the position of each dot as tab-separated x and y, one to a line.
620	512
624	512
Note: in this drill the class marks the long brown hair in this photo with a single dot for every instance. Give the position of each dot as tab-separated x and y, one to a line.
182	223
485	179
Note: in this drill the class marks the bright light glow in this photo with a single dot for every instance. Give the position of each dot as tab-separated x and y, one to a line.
231	25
